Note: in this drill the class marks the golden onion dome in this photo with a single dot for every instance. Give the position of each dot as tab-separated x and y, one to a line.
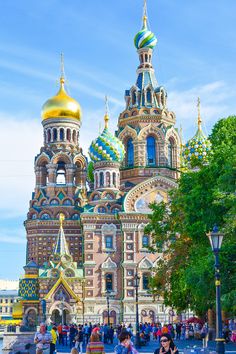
61	105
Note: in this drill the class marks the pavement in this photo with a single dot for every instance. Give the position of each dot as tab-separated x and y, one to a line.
153	345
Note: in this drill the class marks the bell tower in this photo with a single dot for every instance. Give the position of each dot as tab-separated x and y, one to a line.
146	126
60	173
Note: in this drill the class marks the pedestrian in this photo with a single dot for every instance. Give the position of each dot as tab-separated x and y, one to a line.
42	339
167	345
95	346
54	339
79	338
178	330
72	333
123	347
59	330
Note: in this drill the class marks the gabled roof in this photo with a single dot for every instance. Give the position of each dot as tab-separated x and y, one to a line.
62	281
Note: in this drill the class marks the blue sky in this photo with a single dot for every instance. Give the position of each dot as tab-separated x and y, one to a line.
195	56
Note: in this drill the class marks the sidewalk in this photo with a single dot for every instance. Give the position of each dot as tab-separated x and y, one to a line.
150	348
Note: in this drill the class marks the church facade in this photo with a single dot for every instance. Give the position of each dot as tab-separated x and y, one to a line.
86	220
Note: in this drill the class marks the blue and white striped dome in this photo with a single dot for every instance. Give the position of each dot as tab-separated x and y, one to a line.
107	147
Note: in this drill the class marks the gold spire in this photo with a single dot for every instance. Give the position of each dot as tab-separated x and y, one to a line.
61	105
62	78
61	219
199	119
106	117
144	13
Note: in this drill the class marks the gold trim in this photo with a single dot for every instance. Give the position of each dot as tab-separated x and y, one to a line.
66	285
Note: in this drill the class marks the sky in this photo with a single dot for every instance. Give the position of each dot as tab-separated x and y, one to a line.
195	56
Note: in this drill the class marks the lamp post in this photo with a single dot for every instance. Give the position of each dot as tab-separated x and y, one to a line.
83	297
136	285
216	238
108	307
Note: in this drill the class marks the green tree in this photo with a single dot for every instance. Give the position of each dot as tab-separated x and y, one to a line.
185	274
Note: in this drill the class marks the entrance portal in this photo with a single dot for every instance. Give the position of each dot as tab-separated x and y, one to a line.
56	317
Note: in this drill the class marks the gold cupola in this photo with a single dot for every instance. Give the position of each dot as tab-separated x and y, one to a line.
61	105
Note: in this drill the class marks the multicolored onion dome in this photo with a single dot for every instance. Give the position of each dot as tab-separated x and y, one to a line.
107	147
61	105
197	149
145	38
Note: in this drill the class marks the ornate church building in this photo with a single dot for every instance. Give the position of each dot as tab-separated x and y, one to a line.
85	236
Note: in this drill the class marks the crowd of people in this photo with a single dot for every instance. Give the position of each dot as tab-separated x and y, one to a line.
95	336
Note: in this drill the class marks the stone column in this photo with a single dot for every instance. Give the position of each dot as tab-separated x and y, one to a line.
70	172
140	153
163	160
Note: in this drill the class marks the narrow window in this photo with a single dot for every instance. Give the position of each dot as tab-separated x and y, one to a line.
145	241
61	173
101	179
170	153
130	153
109	241
68	135
114	179
146	281
151	151
109	281
61	134
54	134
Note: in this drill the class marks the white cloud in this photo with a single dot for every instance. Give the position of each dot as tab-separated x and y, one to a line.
217	101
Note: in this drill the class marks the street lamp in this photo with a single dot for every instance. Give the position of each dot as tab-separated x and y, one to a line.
83	298
216	238
108	306
136	285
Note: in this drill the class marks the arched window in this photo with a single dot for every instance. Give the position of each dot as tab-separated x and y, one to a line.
133	97
45	216
146	281
96	180
130	153
49	135
101	210
74	136
68	135
170	153
149	96
146	58
54	134
109	282
151	151
61	173
61	134
108	179
145	241
101	179
114	179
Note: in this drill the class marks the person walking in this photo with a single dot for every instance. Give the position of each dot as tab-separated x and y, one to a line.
59	330
167	345
79	338
95	346
54	339
42	339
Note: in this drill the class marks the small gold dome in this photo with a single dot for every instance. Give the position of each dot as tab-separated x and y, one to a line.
61	105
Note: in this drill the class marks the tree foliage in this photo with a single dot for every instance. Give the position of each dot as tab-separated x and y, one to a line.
185	273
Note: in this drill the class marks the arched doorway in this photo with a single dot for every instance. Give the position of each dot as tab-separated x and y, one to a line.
112	317
148	316
56	317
